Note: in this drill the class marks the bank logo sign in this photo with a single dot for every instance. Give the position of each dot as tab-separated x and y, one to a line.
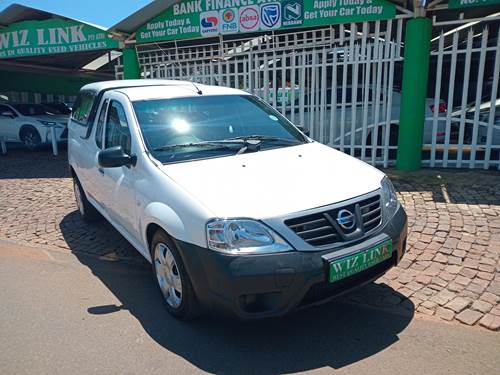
209	23
53	36
249	18
191	19
270	16
293	12
229	21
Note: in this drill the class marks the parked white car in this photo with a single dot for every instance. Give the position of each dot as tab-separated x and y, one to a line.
30	124
353	117
236	209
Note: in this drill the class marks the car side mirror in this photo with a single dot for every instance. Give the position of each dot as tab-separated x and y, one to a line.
115	157
304	130
9	114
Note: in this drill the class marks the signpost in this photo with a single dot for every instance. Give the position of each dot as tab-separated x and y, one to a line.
189	19
53	36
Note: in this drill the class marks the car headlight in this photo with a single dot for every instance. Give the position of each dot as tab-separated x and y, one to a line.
243	236
390	201
47	123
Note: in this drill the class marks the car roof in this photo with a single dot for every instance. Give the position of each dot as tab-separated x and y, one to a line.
146	89
180	91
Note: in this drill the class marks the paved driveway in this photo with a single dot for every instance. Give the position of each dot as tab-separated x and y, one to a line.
451	270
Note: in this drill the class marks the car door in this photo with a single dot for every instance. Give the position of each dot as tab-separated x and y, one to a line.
9	127
118	183
94	175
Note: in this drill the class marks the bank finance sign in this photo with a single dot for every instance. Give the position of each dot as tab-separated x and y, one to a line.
34	38
189	19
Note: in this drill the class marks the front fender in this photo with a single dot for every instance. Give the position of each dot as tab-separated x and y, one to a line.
166	218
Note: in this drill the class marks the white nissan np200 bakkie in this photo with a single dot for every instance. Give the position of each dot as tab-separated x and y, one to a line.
236	208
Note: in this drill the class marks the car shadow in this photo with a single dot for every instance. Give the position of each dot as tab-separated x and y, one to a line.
333	335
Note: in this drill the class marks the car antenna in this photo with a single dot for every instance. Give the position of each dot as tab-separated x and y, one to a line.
198	91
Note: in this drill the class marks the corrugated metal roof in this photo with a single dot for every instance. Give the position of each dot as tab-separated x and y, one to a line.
130	24
17	13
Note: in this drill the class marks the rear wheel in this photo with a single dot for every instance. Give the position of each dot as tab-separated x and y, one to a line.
87	211
31	138
172	277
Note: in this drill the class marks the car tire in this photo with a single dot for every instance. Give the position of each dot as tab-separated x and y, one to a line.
31	138
172	278
87	211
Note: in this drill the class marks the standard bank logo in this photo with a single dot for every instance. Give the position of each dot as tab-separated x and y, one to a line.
270	16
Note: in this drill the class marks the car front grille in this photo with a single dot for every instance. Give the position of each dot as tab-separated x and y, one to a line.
322	228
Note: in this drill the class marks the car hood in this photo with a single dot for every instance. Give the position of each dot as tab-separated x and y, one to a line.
275	182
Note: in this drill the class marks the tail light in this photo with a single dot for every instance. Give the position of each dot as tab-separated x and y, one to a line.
441	108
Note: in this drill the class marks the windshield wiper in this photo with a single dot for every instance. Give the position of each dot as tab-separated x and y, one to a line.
262	138
209	144
248	143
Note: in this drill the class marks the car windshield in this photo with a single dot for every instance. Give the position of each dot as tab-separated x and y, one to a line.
30	109
201	127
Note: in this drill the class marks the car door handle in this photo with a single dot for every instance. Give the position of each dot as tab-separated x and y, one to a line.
101	170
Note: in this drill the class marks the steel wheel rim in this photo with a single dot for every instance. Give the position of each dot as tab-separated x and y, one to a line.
167	274
78	198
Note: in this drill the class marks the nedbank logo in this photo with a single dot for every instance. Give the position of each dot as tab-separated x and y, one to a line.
293	12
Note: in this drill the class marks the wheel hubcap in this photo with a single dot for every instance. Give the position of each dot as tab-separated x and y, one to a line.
168	275
78	198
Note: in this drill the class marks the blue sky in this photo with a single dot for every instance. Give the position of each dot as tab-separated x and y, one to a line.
100	12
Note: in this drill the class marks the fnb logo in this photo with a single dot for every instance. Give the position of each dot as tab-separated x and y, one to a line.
209	23
228	21
228	15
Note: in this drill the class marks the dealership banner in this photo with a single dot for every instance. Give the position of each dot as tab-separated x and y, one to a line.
457	4
34	38
190	19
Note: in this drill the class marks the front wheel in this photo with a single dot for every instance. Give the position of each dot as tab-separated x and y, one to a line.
172	278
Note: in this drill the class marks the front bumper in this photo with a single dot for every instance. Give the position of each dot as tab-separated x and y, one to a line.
268	285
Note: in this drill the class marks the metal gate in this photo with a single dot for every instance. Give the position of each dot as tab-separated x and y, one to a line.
464	128
341	83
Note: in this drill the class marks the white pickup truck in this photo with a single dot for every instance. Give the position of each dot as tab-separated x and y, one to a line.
237	210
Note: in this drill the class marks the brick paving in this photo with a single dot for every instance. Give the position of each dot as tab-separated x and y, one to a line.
451	270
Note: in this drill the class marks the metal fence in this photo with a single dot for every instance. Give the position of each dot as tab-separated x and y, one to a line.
34	97
341	82
464	129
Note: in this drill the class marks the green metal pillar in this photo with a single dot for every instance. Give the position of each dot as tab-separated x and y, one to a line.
131	68
415	78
